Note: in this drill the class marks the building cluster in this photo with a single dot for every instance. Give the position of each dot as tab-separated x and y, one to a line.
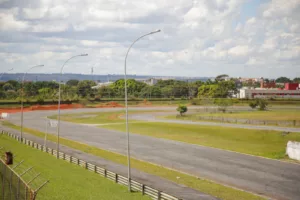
270	90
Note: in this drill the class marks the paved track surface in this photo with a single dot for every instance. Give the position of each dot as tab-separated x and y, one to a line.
275	179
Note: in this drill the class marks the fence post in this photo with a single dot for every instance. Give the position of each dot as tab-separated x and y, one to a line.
105	173
10	183
18	188
3	181
116	178
143	189
95	168
158	195
71	158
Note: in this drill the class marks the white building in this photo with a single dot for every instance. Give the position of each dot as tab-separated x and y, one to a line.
102	84
246	93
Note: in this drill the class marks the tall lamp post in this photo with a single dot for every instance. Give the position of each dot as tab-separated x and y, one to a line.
22	95
126	107
5	72
59	99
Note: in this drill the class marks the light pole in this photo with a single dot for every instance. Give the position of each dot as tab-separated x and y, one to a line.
126	107
59	98
22	94
6	71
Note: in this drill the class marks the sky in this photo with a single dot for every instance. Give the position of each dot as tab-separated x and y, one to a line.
241	38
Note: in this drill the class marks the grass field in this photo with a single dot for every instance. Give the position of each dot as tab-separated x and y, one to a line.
92	118
203	185
270	144
67	181
282	115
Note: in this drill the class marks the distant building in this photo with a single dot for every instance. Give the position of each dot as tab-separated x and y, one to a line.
99	85
291	91
152	81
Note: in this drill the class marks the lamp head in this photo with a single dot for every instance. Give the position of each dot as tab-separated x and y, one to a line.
84	54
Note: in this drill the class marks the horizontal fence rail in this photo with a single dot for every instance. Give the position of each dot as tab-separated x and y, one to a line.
119	179
288	123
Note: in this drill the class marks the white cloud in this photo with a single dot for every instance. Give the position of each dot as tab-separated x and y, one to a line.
8	21
206	33
34	13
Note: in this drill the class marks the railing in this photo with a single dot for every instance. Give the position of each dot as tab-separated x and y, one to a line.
12	185
285	123
136	186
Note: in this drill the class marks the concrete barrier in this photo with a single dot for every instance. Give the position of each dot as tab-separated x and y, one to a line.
293	150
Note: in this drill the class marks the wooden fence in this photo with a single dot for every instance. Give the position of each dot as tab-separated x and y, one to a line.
119	179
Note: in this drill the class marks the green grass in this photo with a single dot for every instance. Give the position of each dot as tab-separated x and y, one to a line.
270	144
67	181
203	185
277	115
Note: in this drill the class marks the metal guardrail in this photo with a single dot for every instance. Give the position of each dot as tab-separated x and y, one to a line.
119	179
13	186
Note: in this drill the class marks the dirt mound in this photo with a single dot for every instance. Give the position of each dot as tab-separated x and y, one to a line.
109	105
40	107
54	107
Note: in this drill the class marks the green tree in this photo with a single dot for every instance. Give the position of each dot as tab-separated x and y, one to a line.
133	87
296	80
262	104
7	86
207	91
167	92
45	93
84	88
72	82
283	80
15	84
253	104
182	109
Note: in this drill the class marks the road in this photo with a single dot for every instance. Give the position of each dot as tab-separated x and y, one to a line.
275	179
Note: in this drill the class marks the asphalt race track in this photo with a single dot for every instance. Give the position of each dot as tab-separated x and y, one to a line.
275	179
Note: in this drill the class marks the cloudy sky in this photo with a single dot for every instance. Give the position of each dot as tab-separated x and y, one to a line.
248	38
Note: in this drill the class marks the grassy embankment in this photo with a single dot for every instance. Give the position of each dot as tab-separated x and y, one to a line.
203	185
67	181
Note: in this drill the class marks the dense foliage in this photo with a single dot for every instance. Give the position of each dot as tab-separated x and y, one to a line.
222	87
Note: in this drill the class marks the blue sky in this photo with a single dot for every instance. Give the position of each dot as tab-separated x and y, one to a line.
242	38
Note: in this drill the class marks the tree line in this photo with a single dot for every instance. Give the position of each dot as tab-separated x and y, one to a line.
75	89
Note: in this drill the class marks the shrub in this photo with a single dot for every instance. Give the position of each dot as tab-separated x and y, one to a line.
182	109
260	103
253	104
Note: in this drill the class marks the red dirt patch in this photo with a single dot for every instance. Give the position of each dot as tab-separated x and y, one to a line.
40	107
109	105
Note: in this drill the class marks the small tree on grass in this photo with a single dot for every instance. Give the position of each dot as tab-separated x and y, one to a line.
223	104
182	109
260	103
253	104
